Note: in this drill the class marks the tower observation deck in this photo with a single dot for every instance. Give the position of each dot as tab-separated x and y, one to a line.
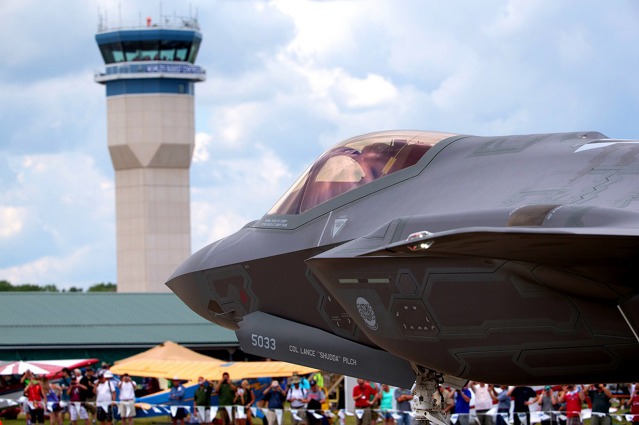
149	77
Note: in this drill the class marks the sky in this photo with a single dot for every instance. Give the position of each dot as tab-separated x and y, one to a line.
286	79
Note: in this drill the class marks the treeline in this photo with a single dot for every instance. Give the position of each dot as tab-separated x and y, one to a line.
29	287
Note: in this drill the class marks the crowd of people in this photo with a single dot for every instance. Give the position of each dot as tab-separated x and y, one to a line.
493	405
88	396
304	397
97	396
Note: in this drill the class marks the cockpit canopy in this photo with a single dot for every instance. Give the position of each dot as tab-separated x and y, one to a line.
354	163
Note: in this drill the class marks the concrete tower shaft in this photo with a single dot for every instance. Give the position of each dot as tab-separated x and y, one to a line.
151	142
149	81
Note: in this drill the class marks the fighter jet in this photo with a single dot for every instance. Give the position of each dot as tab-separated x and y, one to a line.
404	256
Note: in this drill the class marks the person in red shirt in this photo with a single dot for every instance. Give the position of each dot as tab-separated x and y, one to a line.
35	395
362	395
633	402
574	397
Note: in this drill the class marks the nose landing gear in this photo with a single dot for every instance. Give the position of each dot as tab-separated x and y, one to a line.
427	408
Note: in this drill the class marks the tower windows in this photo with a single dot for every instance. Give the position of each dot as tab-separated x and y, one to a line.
149	45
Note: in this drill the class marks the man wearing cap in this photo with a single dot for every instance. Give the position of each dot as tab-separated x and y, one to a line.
103	368
105	398
314	399
176	398
297	397
202	399
88	380
547	401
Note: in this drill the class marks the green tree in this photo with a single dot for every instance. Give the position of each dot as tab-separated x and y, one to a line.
75	289
28	287
50	288
103	287
6	286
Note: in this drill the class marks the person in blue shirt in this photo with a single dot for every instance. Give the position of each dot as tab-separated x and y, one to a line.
403	399
176	398
503	401
305	384
275	396
65	383
462	405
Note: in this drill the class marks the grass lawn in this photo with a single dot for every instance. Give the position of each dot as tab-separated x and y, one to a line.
158	420
145	421
350	420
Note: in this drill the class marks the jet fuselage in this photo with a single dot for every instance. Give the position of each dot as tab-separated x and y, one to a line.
495	259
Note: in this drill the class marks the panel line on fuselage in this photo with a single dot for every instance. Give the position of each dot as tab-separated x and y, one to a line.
628	322
328	220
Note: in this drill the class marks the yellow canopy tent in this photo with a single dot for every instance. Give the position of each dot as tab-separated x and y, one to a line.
169	360
241	370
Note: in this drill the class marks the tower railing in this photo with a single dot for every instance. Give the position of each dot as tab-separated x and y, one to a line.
165	21
151	69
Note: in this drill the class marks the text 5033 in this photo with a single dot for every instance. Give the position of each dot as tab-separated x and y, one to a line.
263	342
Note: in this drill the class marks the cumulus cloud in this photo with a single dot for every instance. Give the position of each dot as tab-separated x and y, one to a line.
237	124
202	142
349	92
62	208
239	190
59	270
321	27
51	114
517	16
11	221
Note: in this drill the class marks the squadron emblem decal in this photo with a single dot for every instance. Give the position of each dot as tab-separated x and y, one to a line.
367	313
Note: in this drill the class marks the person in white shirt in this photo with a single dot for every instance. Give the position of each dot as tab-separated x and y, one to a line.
127	399
297	397
483	402
104	398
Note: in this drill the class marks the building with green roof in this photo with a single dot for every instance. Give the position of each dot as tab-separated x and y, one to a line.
104	325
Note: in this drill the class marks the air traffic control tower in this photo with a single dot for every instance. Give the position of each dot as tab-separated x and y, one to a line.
149	78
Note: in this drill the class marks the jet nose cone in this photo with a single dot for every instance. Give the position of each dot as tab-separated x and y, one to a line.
218	254
214	285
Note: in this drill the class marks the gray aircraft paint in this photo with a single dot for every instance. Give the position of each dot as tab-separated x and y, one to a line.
529	276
